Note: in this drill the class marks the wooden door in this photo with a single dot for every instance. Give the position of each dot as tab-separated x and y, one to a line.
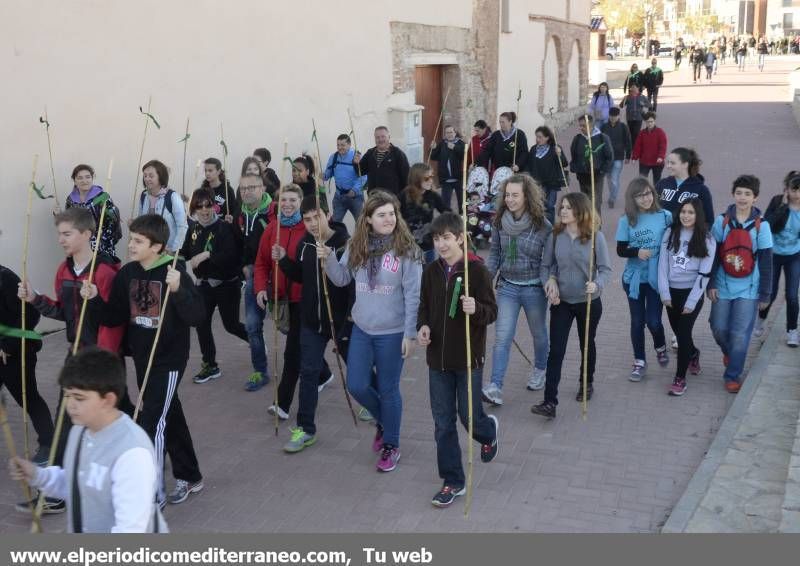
428	87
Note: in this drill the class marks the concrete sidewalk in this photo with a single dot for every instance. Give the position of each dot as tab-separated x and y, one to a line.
621	470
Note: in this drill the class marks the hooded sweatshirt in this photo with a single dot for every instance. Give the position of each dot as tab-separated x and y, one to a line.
112	231
137	296
304	268
673	194
263	279
440	310
221	196
218	238
68	303
250	225
390	307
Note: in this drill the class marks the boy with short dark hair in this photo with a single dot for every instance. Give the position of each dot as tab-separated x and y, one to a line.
620	137
137	296
741	281
109	474
442	308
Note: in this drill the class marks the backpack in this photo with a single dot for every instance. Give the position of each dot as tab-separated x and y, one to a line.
736	252
167	201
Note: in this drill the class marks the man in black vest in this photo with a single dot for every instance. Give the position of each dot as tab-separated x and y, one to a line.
385	165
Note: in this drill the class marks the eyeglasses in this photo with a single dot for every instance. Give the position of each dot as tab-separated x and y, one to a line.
245	188
204	205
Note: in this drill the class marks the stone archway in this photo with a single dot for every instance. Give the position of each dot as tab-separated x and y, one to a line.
574	76
551	81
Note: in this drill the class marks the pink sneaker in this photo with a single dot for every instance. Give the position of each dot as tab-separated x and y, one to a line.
377	442
694	365
388	459
678	387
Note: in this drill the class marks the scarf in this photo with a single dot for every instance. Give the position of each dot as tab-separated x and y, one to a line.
214	218
153	200
292	220
510	134
377	246
541	150
514	228
654	70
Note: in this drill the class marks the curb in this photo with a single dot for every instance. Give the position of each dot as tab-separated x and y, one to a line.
684	510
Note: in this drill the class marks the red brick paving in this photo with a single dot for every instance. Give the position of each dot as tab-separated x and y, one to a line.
621	470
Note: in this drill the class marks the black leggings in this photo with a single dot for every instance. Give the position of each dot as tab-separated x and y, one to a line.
11	377
226	298
682	325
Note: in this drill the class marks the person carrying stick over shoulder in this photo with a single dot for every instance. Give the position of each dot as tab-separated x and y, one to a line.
442	284
564	270
109	477
315	329
225	202
137	296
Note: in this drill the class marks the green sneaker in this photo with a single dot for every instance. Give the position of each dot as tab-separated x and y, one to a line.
255	382
300	439
364	415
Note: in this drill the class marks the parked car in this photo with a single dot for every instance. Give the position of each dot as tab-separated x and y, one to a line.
665	50
611	51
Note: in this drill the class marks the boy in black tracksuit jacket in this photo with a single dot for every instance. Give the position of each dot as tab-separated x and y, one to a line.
602	158
10	360
441	327
315	330
213	251
137	296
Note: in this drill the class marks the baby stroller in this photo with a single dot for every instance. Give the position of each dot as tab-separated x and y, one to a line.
480	207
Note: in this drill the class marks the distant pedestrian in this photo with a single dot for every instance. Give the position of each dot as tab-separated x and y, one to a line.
653	79
650	148
617	131
710	59
600	104
634	78
635	106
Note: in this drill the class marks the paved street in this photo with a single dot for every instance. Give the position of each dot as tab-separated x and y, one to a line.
620	470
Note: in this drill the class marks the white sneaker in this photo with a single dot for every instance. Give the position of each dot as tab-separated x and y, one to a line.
324	384
492	394
674	343
282	415
639	370
792	338
536	381
758	329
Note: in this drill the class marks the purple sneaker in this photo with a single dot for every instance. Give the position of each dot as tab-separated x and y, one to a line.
388	459
377	442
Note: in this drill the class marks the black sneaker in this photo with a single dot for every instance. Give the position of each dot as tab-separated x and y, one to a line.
447	495
589	392
207	372
50	506
489	451
42	456
544	409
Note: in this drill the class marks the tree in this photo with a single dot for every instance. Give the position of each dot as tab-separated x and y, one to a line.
634	16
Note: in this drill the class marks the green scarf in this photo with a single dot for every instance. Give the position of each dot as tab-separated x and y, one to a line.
262	206
19	333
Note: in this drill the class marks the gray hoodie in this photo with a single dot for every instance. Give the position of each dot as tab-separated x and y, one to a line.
390	307
568	261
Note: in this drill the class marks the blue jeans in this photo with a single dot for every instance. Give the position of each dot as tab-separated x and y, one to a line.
732	324
791	269
510	298
448	390
342	203
613	179
645	311
381	399
254	325
550	200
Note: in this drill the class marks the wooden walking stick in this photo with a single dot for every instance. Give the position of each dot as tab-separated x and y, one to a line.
185	141
275	282
585	377
353	133
516	130
46	123
24	305
76	344
438	123
470	393
12	453
224	169
324	278
147	118
555	141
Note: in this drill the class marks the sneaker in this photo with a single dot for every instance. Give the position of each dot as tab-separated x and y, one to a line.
489	451
694	364
364	415
182	490
42	456
674	343
255	382
388	459
300	439
207	372
544	409
492	394
663	357
732	386
282	415
758	329
639	371
589	393
678	387
324	384
50	505
536	381
792	339
447	495
377	442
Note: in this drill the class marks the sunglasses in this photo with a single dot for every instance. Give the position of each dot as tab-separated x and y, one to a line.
428	178
204	205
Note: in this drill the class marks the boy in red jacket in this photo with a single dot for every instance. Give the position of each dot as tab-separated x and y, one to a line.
650	148
292	233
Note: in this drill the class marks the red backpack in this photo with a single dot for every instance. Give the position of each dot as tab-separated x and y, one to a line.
736	252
